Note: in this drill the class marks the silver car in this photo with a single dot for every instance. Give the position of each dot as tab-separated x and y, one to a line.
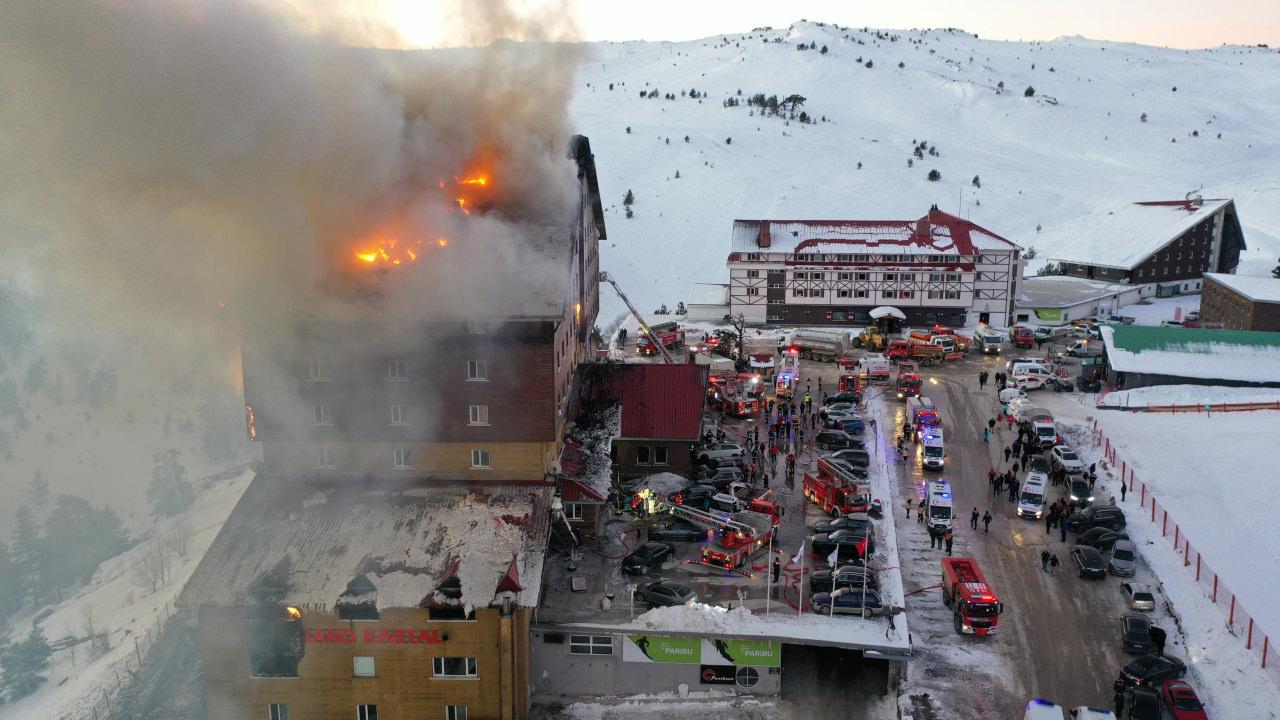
720	452
1139	596
1124	559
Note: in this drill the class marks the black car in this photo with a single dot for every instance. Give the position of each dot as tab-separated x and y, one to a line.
678	531
842	397
1078	490
695	496
646	557
1135	634
1089	561
859	472
847	540
1102	538
1152	670
856	456
854	521
1097	516
1142	704
834	440
851	576
1039	464
662	593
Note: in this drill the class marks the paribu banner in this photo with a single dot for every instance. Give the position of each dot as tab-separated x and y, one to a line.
1049	314
700	651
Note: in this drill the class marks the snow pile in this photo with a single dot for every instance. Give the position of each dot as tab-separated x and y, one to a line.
686	707
1204	395
1154	311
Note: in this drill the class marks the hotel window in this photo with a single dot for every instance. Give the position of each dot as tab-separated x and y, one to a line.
277	711
906	277
480	458
660	455
860	276
776	301
890	277
753	273
842	293
953	277
817	293
362	666
315	371
844	258
935	294
773	318
590	645
478	415
455	712
845	276
324	458
889	294
797	292
402	458
936	277
951	295
573	511
800	276
860	293
395	371
860	258
366	712
906	294
477	370
753	291
321	415
453	667
398	415
642	455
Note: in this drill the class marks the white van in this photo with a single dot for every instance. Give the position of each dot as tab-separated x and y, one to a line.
1031	500
1041	709
934	451
1045	431
1084	712
1021	365
937	507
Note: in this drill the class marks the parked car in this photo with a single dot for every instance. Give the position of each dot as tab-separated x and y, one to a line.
1139	595
1101	538
720	452
1124	559
858	471
838	420
1011	393
1079	491
1050	333
834	440
843	407
1152	670
679	531
1066	458
1096	516
664	593
851	576
647	557
1041	709
720	477
1039	464
1088	562
1142	703
847	396
1027	382
697	496
824	543
1135	634
848	602
1181	701
855	521
1086	712
856	456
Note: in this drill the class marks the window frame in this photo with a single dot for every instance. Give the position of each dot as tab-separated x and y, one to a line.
355	666
402	458
399	410
472	667
315	371
477	371
482	461
661	455
478	415
397	371
573	511
324	458
591	643
644	455
322	414
277	711
451	712
363	711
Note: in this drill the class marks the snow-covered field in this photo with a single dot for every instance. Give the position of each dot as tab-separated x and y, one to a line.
1188	395
1078	146
124	607
1154	311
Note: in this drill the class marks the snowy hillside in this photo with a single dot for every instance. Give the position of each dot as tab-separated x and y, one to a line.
1079	145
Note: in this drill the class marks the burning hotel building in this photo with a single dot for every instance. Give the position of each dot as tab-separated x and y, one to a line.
384	562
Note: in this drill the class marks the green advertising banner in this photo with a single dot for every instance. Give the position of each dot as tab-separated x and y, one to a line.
1049	314
761	653
662	649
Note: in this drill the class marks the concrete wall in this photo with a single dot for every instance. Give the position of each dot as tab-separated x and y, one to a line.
557	674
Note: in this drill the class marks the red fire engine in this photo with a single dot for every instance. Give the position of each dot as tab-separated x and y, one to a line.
1022	336
737	395
908	381
925	353
736	536
668	333
850	383
836	491
975	607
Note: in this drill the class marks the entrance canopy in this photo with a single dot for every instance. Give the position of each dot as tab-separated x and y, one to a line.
887	311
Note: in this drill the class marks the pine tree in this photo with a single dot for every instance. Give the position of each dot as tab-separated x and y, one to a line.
27	553
169	490
934	176
23	662
628	199
1029	92
977	181
10	590
823	51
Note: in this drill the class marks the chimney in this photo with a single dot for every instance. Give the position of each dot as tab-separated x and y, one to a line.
924	227
762	240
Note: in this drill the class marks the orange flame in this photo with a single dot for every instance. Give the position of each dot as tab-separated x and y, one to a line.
386	251
293	613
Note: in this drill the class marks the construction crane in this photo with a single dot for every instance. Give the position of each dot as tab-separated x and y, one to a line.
666	356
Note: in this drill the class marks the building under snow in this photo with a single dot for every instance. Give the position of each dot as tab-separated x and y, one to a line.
1170	243
936	269
1240	302
1137	356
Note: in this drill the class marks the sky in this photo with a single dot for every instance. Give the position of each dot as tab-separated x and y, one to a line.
1173	23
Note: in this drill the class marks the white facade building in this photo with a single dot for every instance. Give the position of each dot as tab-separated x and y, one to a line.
937	269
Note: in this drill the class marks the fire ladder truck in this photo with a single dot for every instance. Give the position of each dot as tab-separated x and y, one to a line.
735	536
644	326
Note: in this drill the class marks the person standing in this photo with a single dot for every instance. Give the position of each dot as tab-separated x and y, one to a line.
1062	527
1007	453
1157	639
920	512
1123	491
986	521
777	570
991	475
973	518
950	539
1118	700
933	537
908	508
1044	561
986	436
1053	564
1051	520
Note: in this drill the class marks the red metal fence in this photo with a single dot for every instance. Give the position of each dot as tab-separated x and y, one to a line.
1240	623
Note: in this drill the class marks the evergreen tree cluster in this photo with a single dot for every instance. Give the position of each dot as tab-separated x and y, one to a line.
23	663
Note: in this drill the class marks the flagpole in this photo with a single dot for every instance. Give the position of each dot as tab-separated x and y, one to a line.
768	577
800	608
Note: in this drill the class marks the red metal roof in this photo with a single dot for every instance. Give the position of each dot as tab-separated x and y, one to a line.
574	491
663	401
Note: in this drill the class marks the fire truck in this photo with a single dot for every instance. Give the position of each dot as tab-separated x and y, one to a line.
667	333
737	395
922	412
784	386
850	383
1022	336
924	353
736	535
908	381
836	491
975	607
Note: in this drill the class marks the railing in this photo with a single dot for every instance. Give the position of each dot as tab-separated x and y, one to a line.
1240	623
1207	408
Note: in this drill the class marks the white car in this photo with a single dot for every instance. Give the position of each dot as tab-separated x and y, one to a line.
1066	458
1085	712
1018	408
1009	394
1027	382
720	451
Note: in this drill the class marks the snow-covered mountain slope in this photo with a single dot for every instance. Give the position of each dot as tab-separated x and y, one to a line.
1079	145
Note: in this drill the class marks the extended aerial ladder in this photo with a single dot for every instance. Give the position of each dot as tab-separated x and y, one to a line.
666	356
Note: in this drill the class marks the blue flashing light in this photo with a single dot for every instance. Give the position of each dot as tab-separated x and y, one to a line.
945	495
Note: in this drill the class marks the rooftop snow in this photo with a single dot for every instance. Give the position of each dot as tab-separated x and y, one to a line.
1124	237
1235	355
1060	291
947	235
1254	287
708	294
405	538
